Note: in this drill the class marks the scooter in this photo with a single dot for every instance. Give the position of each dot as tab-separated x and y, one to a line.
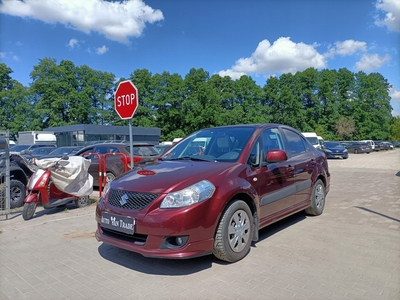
57	182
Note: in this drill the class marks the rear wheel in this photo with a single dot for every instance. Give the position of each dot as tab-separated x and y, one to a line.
317	199
82	201
29	210
234	233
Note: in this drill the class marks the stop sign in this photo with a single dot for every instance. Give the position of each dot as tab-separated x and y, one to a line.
126	99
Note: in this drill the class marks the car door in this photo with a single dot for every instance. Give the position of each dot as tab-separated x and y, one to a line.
273	182
303	160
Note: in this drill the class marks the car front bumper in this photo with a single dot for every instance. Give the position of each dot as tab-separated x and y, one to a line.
156	230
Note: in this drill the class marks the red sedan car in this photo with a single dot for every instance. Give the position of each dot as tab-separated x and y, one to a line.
189	203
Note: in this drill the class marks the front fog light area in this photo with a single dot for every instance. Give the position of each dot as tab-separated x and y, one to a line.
173	242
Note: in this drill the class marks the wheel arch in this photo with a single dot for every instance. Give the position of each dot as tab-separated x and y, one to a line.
251	204
19	175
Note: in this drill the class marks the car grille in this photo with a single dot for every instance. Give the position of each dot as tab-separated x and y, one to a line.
138	239
130	200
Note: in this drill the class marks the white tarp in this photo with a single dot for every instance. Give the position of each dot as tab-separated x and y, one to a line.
70	176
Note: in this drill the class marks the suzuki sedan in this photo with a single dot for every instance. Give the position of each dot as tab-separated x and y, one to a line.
195	201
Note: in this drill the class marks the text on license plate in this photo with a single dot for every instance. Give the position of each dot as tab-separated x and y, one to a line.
118	223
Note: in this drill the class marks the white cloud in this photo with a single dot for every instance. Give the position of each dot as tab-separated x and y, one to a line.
16	58
394	94
2	54
391	11
283	56
72	43
370	62
118	21
102	50
349	47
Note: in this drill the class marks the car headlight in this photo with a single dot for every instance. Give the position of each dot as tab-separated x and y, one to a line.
345	150
196	193
328	151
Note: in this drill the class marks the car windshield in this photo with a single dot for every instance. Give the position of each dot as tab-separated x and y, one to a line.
333	145
19	148
62	150
41	150
224	144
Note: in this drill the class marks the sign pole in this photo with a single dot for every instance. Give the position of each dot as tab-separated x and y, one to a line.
125	104
131	143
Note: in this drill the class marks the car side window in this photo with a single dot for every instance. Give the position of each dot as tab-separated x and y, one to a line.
272	140
100	150
295	142
254	157
113	150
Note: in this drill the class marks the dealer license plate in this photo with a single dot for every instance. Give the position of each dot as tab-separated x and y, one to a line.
118	223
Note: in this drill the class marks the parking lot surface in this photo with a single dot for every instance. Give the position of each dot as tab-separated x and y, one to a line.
351	251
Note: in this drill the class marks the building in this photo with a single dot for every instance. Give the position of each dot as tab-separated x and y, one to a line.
84	134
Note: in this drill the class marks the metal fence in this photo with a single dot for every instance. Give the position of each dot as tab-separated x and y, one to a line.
4	174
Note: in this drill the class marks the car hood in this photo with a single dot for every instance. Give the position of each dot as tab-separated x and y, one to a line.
165	176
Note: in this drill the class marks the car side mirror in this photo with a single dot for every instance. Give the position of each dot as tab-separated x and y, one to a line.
274	156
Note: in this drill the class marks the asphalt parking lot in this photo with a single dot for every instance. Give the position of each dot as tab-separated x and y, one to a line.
351	251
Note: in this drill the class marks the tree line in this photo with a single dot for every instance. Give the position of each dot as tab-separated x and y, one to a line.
336	104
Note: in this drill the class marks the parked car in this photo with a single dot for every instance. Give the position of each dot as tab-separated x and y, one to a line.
61	151
358	147
379	146
119	162
387	146
20	148
371	143
37	152
20	172
187	204
396	144
335	150
162	148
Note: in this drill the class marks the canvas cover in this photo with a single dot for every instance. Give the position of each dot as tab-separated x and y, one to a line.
70	176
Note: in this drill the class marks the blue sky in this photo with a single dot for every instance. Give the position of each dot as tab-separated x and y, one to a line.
260	38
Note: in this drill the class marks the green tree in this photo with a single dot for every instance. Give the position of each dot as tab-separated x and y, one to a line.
15	109
394	129
372	110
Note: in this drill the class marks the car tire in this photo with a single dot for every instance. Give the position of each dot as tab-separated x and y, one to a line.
234	233
109	177
82	201
317	199
17	193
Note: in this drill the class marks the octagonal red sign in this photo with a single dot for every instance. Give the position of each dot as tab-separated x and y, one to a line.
126	99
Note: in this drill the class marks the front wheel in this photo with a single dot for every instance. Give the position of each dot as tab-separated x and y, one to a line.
29	210
82	201
317	199
234	233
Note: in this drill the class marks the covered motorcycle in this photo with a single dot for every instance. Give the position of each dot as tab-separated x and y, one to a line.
57	182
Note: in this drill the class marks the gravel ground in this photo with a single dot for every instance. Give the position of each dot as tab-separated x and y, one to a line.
381	160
